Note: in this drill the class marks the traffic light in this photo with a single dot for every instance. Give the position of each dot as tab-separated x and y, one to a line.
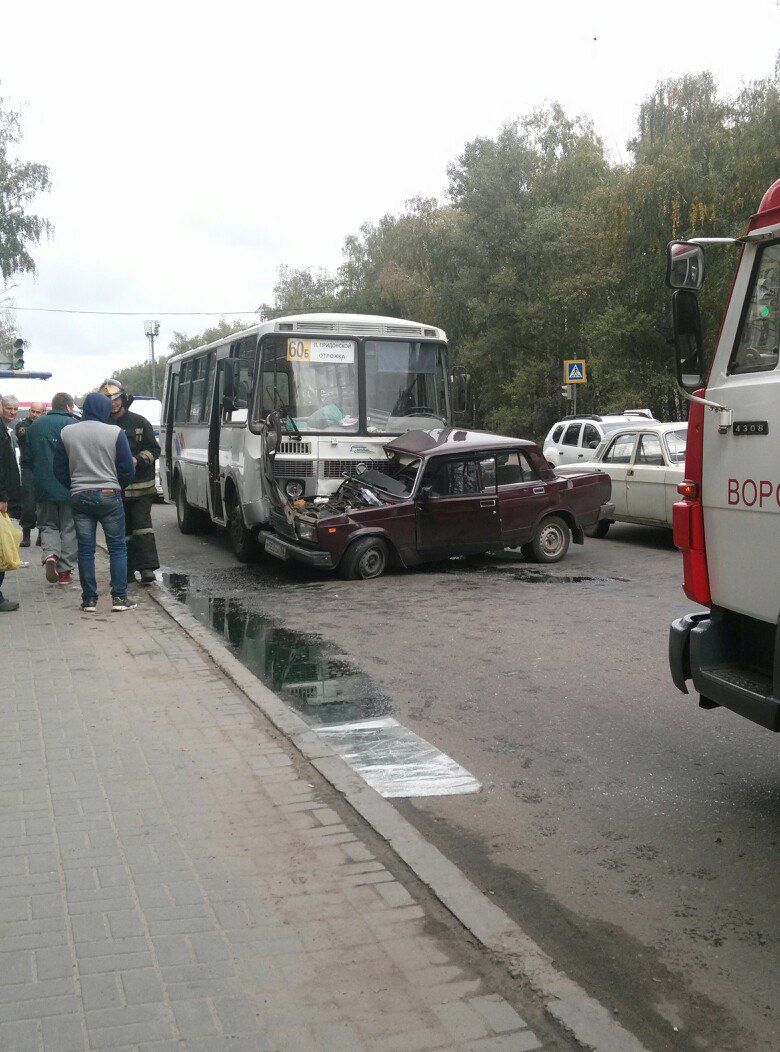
18	359
566	391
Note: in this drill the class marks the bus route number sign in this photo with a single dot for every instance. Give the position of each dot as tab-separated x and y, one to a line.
333	352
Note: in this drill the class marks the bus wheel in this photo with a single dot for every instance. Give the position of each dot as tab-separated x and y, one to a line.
551	540
188	518
242	541
365	559
601	529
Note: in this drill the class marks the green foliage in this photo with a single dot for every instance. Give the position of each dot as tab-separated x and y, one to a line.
137	379
181	342
20	181
546	250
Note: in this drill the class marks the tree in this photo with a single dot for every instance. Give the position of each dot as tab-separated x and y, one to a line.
20	182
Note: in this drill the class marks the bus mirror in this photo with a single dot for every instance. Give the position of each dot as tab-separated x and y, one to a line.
229	382
686	324
461	392
229	404
684	265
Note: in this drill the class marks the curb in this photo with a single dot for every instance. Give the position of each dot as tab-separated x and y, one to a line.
591	1024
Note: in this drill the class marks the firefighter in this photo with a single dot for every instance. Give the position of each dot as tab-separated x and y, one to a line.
139	494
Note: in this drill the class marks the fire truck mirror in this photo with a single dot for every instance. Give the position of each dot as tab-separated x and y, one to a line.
684	265
686	323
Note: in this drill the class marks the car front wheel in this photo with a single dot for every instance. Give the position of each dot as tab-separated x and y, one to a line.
365	559
551	540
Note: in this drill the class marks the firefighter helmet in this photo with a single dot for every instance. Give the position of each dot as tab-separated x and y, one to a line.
115	389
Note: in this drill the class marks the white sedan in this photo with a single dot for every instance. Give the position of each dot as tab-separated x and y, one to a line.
646	464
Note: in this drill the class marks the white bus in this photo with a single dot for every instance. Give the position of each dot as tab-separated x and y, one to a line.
340	386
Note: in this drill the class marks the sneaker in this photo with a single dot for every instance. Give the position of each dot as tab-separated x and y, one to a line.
121	602
148	577
63	577
7	605
89	606
50	566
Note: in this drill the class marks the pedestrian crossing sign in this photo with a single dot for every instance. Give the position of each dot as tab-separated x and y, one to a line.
575	371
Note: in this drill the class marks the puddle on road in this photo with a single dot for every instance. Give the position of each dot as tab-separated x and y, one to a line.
535	575
336	698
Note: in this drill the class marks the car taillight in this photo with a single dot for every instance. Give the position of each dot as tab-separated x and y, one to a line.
688	514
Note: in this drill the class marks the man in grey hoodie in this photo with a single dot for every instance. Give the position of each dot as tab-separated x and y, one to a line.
92	458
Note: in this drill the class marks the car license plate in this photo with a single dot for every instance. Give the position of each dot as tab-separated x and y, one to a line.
274	547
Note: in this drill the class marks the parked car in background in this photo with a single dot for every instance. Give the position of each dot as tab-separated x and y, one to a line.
151	408
576	437
440	493
646	464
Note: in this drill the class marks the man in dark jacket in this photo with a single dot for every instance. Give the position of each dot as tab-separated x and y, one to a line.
10	483
92	460
27	517
139	494
53	510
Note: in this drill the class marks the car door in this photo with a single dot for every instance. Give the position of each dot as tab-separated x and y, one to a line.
522	497
646	480
616	463
457	509
569	446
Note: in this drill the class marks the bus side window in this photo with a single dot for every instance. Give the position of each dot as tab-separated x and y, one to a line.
183	394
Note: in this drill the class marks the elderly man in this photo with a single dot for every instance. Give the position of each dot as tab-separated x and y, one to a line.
55	516
27	517
10	484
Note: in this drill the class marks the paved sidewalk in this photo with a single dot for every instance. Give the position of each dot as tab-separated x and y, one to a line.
173	877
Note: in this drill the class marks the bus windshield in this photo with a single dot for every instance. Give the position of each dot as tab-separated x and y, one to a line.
405	386
313	380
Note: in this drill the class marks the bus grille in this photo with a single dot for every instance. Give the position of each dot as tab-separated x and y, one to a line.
293	469
292	445
334	469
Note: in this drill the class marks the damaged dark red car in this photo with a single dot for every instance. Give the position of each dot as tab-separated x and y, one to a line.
440	493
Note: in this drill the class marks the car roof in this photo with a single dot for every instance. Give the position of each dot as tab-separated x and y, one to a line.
650	425
452	440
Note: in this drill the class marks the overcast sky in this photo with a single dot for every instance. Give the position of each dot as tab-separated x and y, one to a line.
194	148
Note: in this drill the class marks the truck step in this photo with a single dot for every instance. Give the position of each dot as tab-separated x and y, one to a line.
745	678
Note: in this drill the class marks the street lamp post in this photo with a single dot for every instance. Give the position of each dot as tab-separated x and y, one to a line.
152	329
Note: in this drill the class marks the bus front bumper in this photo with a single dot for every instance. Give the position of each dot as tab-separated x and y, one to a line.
283	549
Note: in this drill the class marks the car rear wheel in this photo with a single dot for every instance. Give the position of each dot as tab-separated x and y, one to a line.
365	559
551	540
601	529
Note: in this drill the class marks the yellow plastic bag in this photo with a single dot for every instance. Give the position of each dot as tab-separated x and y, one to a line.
10	538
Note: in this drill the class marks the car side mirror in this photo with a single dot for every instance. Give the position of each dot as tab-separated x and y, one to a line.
684	265
425	494
593	444
229	404
688	341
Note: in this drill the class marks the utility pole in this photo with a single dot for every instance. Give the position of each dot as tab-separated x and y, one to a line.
152	329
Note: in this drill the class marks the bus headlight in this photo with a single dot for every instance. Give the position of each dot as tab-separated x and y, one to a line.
293	489
307	532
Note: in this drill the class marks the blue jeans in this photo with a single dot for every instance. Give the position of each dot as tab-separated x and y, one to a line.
91	507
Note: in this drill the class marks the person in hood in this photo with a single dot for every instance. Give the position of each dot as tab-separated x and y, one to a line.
92	460
53	511
139	494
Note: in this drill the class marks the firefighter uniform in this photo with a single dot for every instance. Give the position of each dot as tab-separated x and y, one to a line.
138	496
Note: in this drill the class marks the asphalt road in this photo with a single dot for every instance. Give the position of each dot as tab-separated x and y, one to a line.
633	835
